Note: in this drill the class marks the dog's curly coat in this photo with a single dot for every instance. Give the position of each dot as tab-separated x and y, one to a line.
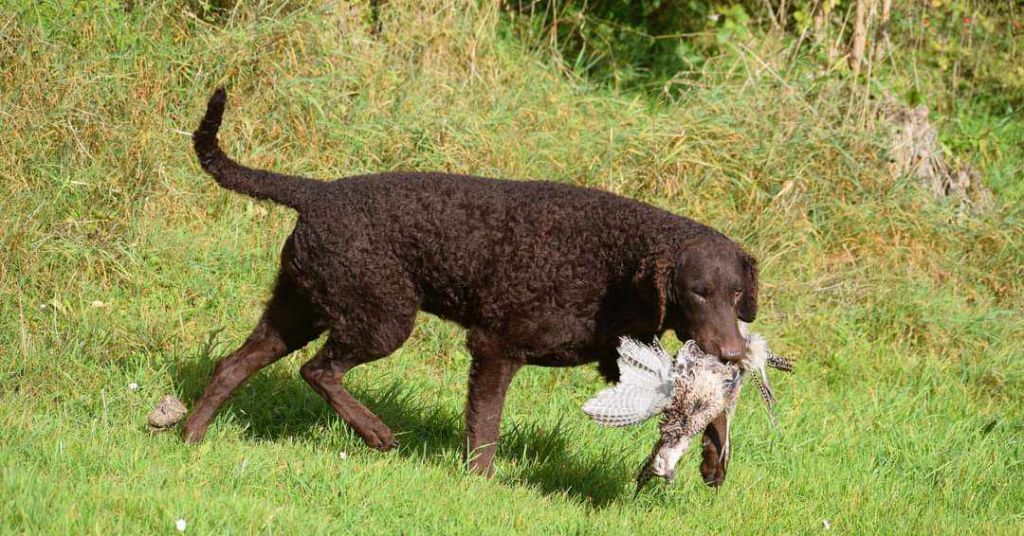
538	273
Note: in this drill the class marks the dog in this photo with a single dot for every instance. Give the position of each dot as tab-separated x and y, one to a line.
538	273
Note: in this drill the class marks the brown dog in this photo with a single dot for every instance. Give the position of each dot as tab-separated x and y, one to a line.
539	273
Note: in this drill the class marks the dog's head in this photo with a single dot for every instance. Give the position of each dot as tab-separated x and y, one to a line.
700	291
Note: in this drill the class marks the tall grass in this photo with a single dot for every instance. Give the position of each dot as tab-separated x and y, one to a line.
120	262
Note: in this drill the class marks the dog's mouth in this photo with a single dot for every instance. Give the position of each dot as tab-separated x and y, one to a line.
683	336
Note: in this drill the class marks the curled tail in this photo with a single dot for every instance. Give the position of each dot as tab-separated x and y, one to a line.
287	190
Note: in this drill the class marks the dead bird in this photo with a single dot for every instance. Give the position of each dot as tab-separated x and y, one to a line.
689	392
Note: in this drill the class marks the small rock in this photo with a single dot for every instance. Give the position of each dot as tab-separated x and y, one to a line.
133	386
166	414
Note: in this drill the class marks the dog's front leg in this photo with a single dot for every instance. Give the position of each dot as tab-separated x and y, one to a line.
716	453
490	374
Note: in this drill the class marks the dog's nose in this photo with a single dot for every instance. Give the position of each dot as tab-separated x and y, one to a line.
731	351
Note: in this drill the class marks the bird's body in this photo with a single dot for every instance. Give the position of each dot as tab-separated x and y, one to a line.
689	392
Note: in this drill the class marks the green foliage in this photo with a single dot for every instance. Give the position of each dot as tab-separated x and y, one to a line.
635	43
964	53
950	55
971	46
965	61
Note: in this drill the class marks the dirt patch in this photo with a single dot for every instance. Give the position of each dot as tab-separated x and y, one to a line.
915	150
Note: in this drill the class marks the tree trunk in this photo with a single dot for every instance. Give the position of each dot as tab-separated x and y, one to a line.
823	28
882	36
771	13
821	18
860	34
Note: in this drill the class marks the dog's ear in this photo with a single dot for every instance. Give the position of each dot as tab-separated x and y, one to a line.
651	280
747	306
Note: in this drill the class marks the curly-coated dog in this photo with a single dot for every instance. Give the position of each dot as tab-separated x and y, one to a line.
538	273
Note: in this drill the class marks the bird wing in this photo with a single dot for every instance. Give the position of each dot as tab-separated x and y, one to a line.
625	404
642	364
645	386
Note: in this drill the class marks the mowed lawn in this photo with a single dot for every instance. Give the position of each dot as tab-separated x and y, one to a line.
122	263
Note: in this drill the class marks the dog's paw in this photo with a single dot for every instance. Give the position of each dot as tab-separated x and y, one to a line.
192	435
712	470
380	438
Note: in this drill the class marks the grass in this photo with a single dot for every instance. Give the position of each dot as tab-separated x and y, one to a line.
121	262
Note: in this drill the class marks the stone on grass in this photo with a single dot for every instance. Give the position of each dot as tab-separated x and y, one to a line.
166	414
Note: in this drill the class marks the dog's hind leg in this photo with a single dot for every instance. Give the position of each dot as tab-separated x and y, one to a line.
288	323
381	334
325	372
490	374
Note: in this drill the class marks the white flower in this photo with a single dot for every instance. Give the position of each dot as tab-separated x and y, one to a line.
180	525
826	524
343	455
133	386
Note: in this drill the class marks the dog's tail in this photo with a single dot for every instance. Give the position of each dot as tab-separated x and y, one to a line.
287	190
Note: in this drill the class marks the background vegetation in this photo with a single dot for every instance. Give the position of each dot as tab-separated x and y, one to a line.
122	263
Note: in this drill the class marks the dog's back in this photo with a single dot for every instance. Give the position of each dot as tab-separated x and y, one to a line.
480	249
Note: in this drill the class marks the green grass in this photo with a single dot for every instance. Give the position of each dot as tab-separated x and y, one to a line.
121	262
